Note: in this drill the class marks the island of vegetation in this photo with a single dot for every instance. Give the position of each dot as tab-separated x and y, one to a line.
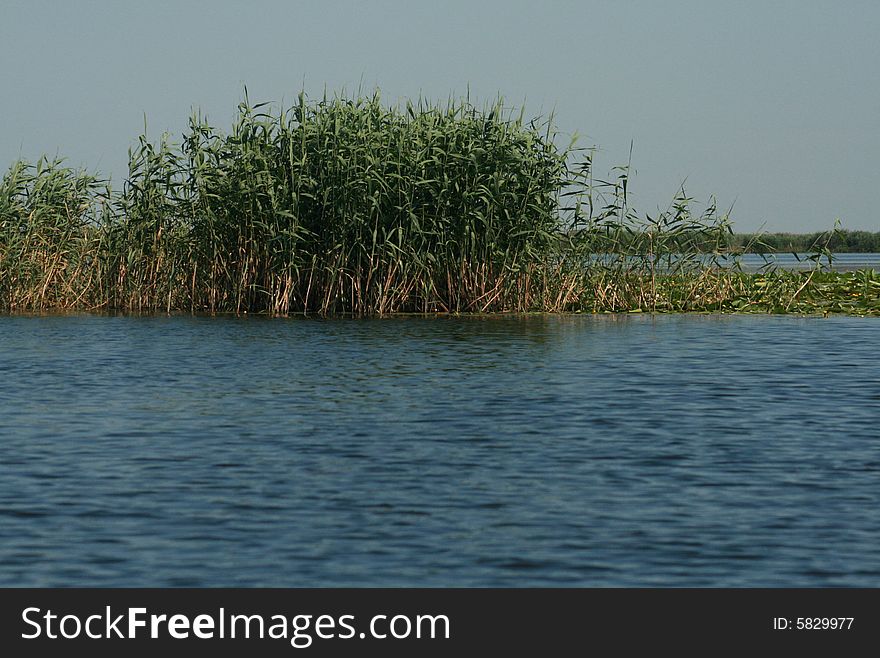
348	206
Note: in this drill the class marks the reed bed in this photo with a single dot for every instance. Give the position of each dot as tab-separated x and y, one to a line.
349	206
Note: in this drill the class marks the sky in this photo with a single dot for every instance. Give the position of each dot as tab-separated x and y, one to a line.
772	107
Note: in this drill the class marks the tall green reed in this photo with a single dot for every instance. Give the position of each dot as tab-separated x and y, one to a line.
50	218
348	205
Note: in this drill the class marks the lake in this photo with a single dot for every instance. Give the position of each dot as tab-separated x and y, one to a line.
679	450
751	263
844	262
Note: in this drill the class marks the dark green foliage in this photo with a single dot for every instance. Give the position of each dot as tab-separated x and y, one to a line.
842	241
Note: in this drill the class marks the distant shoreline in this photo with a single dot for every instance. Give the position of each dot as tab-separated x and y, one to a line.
842	241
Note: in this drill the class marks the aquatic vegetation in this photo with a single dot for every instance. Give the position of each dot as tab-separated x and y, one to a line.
49	236
346	205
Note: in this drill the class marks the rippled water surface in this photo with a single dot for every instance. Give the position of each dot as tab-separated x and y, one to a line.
844	262
589	451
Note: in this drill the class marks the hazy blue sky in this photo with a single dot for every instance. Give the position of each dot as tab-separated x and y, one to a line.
773	105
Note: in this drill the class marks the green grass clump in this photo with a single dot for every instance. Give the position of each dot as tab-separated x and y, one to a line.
49	236
338	206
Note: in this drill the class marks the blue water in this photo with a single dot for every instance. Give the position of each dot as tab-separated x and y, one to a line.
844	262
571	450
